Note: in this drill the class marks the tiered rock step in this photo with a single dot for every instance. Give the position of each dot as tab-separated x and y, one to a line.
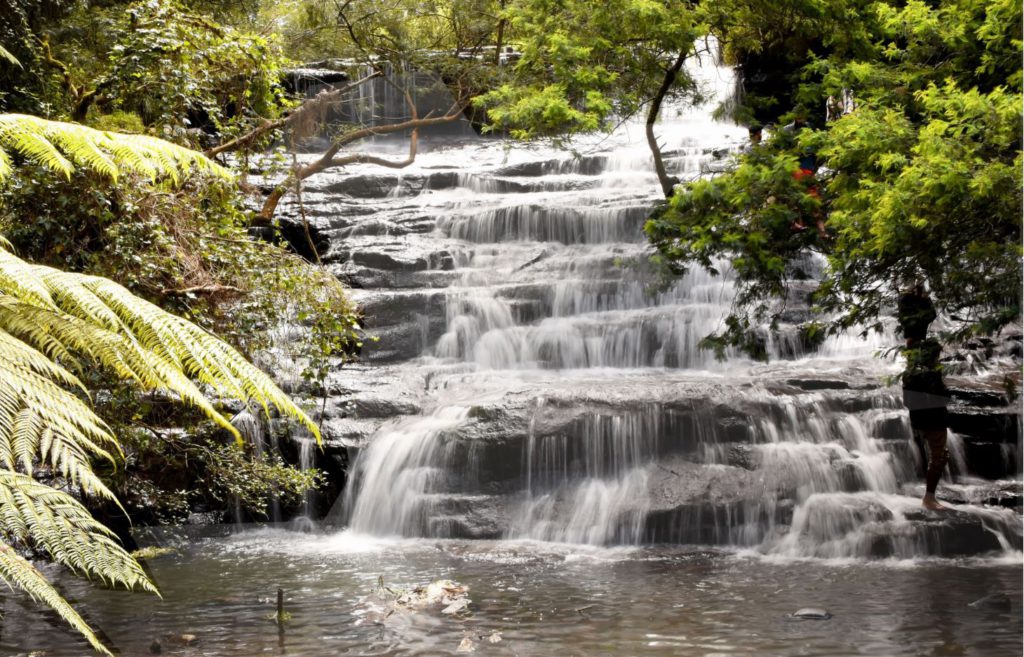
714	458
538	258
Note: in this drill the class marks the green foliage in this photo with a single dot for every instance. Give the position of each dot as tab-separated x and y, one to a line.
582	64
118	121
921	183
38	517
254	481
185	247
585	64
63	314
56	327
401	30
771	41
34	514
332	334
168	62
167	474
61	147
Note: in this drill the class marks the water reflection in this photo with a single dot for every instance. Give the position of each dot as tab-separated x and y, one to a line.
542	598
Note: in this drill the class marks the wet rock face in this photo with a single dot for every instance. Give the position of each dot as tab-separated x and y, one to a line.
986	417
534	379
314	76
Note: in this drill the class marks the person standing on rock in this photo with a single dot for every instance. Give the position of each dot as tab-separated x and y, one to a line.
924	392
755	132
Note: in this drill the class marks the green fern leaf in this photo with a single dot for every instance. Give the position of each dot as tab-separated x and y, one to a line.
7	56
18	572
36	515
64	312
55	324
60	147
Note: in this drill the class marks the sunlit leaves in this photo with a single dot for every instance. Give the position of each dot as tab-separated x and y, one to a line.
586	64
55	325
921	182
63	146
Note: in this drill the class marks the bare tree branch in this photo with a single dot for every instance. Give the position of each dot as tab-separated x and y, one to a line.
304	110
203	289
329	159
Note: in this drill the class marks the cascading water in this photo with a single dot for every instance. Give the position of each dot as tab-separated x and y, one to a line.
594	496
413	462
559	390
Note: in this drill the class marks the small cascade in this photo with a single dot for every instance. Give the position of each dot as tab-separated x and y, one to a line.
592	511
254	432
410	468
307	463
252	429
383	100
589	491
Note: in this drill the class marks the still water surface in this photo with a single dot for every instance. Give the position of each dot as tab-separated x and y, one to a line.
543	599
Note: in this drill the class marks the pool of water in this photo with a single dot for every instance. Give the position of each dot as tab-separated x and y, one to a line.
533	599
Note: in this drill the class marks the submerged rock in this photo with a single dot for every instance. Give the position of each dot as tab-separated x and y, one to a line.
812	613
154	552
993	602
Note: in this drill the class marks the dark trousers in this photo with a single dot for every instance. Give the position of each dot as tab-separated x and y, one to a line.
928	420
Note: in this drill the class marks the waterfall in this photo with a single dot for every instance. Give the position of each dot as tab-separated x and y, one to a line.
588	491
382	100
252	430
408	468
565	393
307	462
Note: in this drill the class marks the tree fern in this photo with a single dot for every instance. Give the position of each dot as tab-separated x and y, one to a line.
43	423
53	326
52	521
62	146
60	313
6	55
18	571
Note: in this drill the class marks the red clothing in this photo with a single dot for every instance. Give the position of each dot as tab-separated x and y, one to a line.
801	174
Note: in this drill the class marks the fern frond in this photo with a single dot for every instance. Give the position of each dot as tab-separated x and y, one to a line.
44	518
60	147
35	515
53	325
19	573
6	55
33	145
42	422
60	313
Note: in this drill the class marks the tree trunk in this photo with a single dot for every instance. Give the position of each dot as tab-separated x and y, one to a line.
667	184
500	37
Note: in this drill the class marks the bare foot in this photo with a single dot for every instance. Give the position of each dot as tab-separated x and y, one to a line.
929	502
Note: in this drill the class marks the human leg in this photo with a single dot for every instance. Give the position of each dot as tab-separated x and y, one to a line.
938	456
